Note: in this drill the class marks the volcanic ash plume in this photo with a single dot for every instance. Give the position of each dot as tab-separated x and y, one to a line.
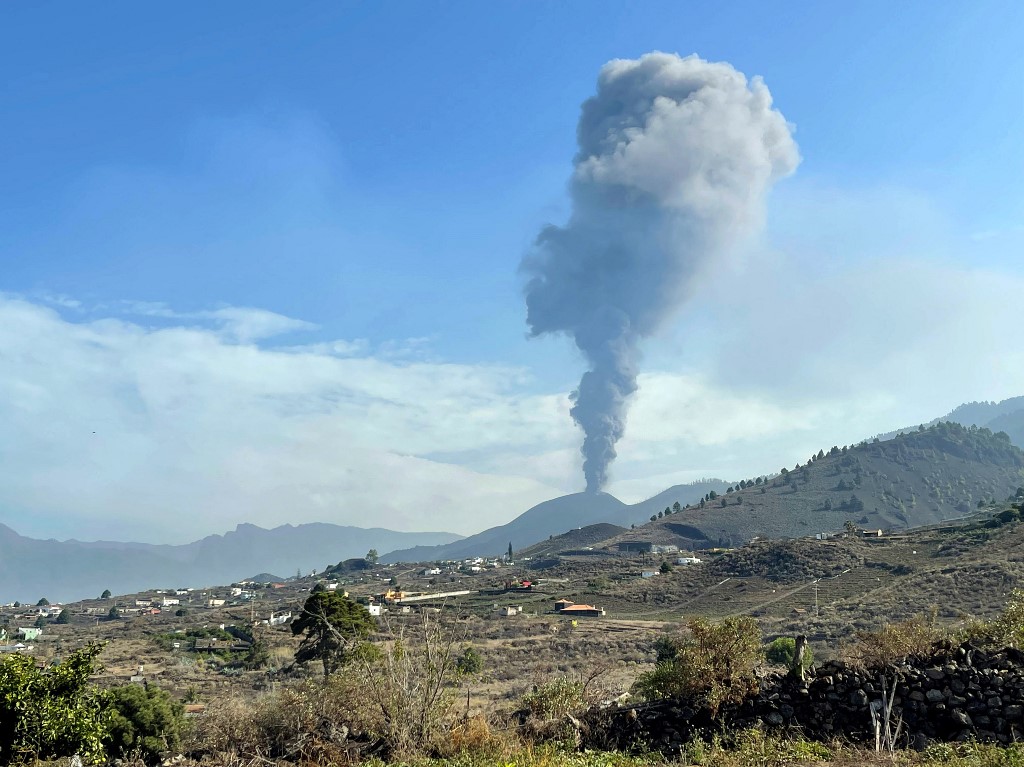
675	158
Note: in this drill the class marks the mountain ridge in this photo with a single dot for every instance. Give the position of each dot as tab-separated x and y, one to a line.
31	568
554	517
1006	415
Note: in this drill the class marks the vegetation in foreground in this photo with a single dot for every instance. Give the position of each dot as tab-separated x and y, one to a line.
392	694
395	702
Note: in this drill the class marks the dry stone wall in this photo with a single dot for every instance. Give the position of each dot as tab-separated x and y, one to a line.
961	693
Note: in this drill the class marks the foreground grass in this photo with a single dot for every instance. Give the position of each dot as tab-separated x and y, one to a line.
752	749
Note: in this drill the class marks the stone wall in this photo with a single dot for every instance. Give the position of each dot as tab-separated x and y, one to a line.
961	693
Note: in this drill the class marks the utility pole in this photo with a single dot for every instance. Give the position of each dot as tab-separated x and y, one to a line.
816	613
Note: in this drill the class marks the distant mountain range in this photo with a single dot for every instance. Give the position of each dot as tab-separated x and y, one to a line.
555	517
70	570
1006	416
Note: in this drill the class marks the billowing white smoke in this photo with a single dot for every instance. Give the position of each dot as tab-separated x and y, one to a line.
675	158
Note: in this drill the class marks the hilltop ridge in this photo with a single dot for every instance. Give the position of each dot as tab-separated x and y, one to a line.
921	478
1006	416
64	570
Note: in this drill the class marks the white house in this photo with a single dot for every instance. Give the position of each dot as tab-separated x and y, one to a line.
648	573
374	610
215	602
169	602
279	619
688	561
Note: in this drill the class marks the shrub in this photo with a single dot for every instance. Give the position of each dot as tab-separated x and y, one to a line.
665	648
257	656
781	651
50	714
1008	516
555	699
308	723
1006	630
477	743
469	662
142	720
894	642
409	681
715	663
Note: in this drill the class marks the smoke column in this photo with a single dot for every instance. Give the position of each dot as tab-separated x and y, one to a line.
675	158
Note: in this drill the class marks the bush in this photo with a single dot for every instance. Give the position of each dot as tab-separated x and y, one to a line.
309	723
715	663
1006	630
257	656
409	681
398	694
50	714
895	642
144	721
781	651
469	662
553	700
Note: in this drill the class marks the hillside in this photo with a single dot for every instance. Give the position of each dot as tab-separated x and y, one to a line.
916	479
581	539
555	517
824	589
65	570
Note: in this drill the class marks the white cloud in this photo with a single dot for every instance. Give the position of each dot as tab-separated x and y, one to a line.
120	430
238	323
247	324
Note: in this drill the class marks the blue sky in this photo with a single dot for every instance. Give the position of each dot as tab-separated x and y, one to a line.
374	172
